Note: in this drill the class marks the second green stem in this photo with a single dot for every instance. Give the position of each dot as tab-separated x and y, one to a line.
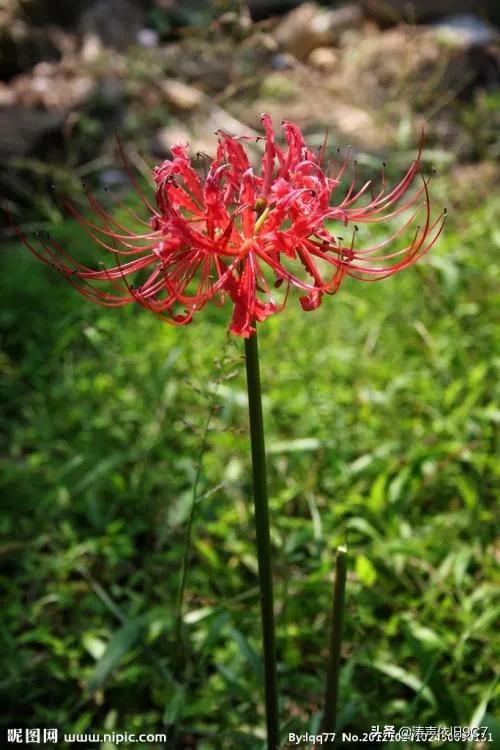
263	538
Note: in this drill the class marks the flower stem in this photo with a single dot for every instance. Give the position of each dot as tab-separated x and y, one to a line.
333	667
263	539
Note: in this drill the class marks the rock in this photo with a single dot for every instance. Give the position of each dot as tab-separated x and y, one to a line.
309	26
218	118
115	22
52	86
323	58
7	95
283	61
147	38
233	23
204	65
408	62
345	18
21	46
23	129
464	31
200	132
181	96
92	48
379	62
316	109
257	53
169	136
358	125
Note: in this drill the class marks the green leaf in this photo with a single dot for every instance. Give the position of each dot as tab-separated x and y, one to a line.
214	632
246	651
118	647
406	678
493	725
363	526
175	703
480	716
365	571
101	468
300	445
432	676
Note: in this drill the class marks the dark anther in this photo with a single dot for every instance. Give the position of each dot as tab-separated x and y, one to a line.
434	170
445	211
356	229
355	162
106	189
260	205
384	164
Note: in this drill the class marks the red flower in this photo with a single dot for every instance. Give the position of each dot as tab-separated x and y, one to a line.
240	234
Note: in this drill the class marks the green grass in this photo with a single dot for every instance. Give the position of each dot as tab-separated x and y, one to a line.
382	426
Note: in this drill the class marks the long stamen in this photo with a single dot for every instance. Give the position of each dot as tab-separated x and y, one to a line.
213	237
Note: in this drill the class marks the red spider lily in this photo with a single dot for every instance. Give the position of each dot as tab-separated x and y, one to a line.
240	234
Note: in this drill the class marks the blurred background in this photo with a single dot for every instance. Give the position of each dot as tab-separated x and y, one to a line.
381	407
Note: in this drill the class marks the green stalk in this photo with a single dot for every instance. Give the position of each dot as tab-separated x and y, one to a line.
263	539
333	667
180	660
